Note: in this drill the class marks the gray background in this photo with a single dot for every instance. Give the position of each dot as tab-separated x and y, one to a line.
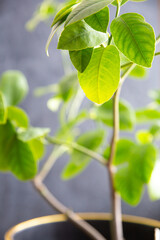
25	51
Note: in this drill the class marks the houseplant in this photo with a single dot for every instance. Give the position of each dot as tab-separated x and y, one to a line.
130	164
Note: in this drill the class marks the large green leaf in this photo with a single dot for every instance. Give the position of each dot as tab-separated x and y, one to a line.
134	38
104	113
147	115
80	36
3	110
79	161
33	133
15	155
135	163
18	117
99	21
81	59
85	9
13	85
101	78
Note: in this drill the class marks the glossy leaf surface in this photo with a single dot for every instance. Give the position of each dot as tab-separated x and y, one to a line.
134	38
85	9
101	78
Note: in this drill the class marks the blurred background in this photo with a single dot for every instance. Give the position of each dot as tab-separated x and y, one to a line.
25	51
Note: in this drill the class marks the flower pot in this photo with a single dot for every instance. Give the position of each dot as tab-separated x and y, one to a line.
56	227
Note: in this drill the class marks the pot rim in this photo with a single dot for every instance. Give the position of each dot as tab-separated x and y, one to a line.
9	235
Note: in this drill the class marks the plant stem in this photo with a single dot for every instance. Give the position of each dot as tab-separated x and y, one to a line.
117	14
79	148
56	153
57	205
117	229
74	218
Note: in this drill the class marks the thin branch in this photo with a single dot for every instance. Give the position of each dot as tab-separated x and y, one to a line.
157	53
79	148
158	39
74	218
56	153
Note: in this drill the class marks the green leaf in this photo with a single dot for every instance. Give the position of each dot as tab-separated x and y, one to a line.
85	9
129	187
13	85
135	163
99	21
3	110
37	148
143	136
101	78
104	113
154	184
15	155
155	95
33	133
138	72
155	130
18	117
134	38
81	59
79	161
147	115
80	36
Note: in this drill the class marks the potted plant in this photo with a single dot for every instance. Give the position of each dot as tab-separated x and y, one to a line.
103	62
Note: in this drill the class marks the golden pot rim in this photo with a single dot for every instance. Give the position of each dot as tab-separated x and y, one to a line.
86	216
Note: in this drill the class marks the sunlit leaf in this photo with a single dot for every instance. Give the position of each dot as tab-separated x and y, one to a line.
101	78
144	136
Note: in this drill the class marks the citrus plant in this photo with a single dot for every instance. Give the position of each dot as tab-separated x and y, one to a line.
103	60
